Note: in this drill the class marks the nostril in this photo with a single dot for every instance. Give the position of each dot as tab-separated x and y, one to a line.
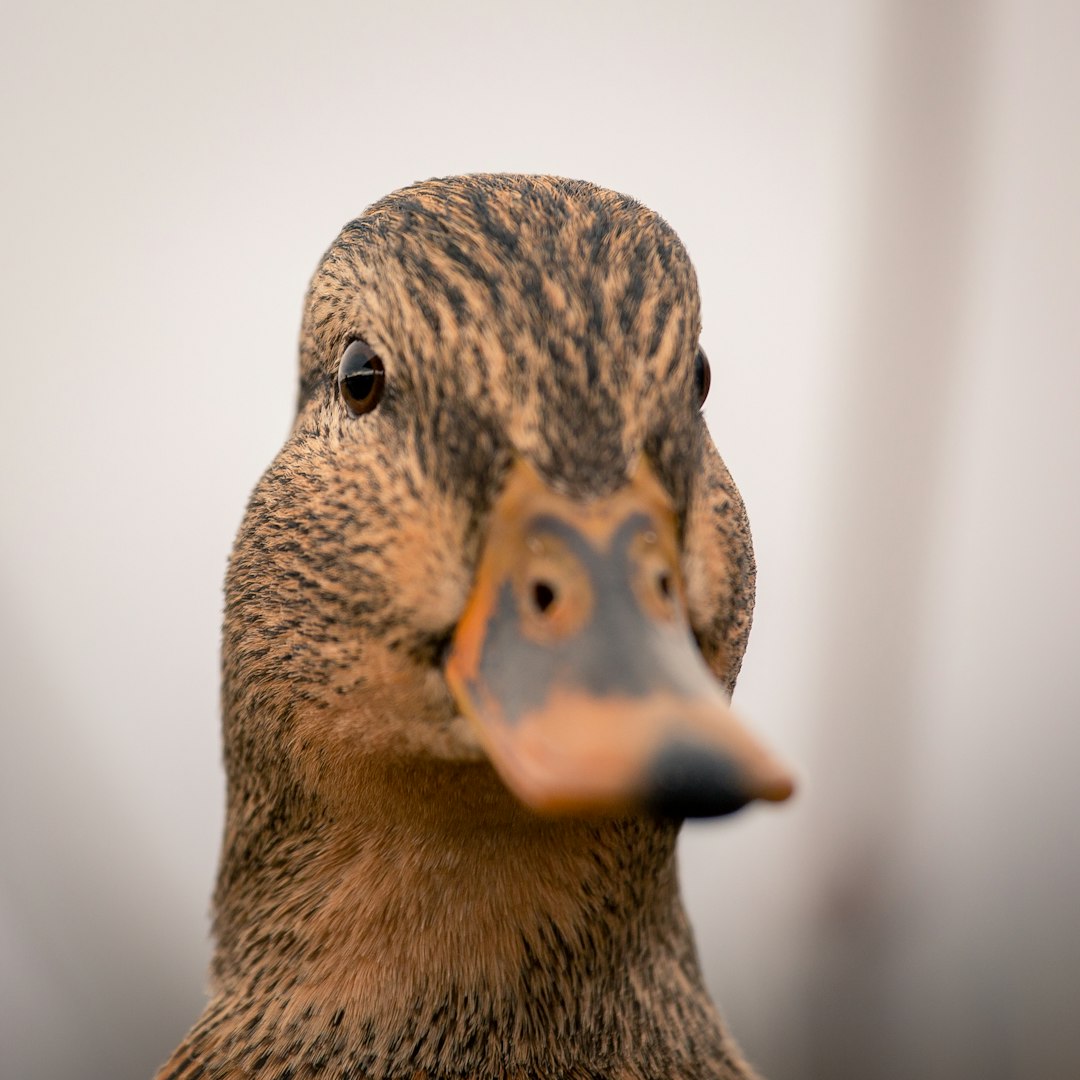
543	596
664	581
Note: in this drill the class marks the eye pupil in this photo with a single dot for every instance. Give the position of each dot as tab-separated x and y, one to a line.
360	385
702	376
361	378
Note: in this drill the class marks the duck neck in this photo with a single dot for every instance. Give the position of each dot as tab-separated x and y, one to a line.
433	926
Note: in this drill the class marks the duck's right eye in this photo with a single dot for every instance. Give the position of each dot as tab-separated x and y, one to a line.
361	377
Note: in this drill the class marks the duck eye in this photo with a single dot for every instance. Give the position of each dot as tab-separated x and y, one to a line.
702	376
361	377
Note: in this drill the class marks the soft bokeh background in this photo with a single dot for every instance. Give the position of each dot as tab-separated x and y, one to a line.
881	198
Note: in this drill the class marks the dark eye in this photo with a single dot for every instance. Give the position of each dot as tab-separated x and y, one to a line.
702	376
361	377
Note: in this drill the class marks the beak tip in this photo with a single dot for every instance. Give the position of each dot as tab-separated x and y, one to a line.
691	780
778	787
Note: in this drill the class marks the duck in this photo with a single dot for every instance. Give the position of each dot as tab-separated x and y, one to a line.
483	618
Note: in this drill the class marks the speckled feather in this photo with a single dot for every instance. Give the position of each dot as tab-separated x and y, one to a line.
384	907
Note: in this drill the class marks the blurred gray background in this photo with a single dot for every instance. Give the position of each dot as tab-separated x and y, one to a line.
881	198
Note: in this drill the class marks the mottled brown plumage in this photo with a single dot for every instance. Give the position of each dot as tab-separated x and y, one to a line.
385	908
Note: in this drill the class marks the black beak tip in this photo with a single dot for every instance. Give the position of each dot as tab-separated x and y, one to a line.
690	780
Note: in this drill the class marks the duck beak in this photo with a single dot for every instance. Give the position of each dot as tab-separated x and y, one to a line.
576	665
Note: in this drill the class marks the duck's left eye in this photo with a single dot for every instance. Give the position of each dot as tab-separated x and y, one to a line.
702	376
361	377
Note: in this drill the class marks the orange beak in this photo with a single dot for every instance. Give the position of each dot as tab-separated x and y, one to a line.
576	665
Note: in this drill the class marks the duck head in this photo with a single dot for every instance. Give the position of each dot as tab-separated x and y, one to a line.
499	532
483	617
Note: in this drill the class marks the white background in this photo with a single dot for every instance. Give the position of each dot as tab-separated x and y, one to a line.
881	199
